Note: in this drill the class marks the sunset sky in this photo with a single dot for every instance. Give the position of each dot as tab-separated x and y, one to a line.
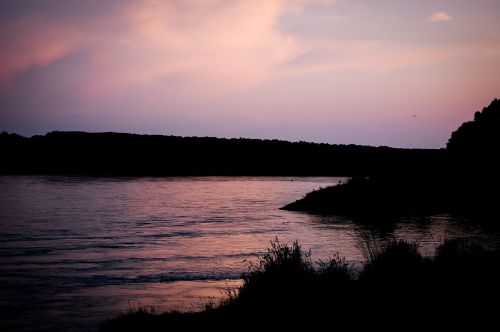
375	72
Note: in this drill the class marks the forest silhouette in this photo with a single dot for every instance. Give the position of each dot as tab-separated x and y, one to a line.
464	182
120	154
470	150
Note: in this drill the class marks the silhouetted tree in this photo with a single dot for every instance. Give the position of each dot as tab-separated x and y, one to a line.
480	135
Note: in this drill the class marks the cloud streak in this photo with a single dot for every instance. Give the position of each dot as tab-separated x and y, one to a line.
439	17
229	43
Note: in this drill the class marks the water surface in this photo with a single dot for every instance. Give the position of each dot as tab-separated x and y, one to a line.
75	251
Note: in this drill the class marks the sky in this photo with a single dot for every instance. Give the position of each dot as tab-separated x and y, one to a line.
373	72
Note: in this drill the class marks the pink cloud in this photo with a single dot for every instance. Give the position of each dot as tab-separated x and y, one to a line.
231	44
35	42
438	17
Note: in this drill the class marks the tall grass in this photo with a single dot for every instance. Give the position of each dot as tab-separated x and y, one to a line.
285	286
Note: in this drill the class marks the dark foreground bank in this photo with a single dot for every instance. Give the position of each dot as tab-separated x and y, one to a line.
459	285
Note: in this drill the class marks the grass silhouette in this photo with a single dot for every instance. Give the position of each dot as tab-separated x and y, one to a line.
285	288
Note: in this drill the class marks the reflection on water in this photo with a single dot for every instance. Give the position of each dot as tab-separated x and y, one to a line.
427	232
75	251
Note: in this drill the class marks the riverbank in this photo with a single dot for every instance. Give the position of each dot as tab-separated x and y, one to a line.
403	196
458	284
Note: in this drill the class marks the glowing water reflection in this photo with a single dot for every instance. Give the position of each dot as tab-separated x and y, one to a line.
75	251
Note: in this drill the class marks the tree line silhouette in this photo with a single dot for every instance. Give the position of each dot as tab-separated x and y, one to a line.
156	155
474	146
471	150
479	136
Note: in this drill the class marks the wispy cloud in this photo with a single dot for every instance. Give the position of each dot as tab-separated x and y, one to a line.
229	43
439	17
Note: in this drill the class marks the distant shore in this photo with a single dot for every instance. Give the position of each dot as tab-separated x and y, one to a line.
120	154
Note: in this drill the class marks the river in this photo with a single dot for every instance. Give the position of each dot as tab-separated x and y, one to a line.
77	250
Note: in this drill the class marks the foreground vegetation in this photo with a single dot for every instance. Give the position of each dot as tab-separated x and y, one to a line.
460	284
